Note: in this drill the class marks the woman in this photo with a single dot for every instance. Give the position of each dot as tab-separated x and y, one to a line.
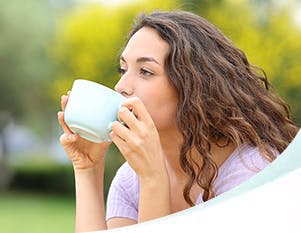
199	120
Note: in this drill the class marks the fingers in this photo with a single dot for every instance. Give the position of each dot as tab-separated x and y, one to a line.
123	139
64	100
67	138
60	116
138	122
118	129
128	117
137	107
118	141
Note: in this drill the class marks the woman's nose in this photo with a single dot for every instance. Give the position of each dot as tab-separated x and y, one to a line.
124	86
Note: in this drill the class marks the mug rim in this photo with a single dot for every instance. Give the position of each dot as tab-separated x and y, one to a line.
94	83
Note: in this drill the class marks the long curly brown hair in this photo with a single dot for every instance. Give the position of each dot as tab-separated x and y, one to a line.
221	95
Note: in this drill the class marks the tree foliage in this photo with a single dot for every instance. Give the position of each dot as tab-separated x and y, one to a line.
270	39
25	71
89	40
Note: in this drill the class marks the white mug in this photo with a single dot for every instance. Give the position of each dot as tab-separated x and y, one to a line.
91	109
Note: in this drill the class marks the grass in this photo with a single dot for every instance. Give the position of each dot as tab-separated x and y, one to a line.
36	213
45	213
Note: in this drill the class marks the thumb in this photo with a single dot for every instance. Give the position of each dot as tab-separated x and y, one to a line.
67	138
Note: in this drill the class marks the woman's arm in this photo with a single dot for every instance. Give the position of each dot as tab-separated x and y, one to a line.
154	199
88	163
90	212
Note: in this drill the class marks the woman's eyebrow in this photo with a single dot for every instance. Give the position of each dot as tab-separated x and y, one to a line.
147	59
142	59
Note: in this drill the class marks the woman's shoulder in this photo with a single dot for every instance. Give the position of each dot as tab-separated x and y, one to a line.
247	158
126	176
242	164
125	170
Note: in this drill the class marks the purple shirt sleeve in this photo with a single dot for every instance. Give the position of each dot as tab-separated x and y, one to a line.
123	196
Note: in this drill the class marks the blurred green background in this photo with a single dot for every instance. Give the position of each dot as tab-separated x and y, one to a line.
45	45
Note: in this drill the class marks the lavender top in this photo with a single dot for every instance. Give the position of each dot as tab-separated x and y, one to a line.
123	197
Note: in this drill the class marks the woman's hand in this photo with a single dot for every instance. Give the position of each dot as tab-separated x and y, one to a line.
83	153
138	139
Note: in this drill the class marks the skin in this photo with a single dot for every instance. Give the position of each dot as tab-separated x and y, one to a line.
149	142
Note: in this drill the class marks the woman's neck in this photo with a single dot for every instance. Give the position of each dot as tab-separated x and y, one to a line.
172	144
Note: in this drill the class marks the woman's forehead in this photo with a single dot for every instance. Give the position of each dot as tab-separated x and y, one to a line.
146	42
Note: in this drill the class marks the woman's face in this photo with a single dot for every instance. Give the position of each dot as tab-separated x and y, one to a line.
143	74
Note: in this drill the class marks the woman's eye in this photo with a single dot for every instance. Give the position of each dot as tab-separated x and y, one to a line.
145	72
121	71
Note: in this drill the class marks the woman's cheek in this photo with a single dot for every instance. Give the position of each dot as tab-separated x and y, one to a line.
164	118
